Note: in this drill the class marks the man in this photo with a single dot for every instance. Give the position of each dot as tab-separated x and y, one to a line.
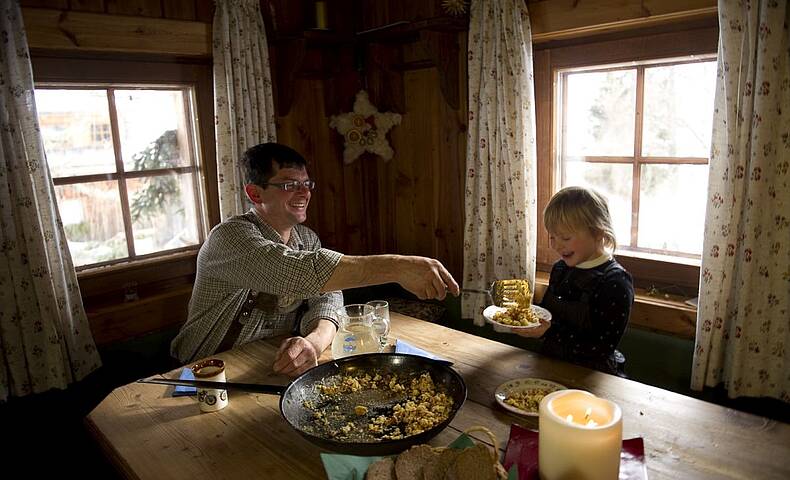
264	274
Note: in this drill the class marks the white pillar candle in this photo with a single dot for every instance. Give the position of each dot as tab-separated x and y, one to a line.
580	437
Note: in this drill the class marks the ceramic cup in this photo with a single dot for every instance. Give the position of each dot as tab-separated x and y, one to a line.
212	370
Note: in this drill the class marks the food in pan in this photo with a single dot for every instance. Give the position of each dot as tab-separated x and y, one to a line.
370	408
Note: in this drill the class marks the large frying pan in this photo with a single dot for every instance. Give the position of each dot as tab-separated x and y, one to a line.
302	389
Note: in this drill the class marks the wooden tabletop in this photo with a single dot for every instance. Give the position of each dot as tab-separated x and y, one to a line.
148	434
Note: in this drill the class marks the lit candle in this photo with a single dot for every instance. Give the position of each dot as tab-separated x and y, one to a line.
580	436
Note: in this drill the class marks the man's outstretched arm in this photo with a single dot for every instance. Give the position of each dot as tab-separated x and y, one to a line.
422	276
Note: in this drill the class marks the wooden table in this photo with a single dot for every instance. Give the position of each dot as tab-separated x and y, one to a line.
149	434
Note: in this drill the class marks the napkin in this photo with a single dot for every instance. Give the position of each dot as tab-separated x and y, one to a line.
402	346
522	453
183	390
352	467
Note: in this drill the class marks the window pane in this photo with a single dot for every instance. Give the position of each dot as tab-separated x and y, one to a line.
613	181
600	113
92	219
152	125
163	212
672	207
75	127
679	110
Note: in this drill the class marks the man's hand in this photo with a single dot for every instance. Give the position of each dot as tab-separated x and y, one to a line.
425	277
534	332
295	356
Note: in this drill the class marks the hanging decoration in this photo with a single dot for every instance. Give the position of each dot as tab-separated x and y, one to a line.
365	129
454	7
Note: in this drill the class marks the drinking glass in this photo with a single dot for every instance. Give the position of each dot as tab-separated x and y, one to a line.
381	320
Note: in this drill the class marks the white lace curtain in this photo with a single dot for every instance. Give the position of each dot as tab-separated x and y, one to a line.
243	102
501	162
743	322
45	339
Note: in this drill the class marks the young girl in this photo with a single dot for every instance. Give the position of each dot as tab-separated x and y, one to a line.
589	294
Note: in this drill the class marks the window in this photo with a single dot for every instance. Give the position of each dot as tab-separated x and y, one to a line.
124	163
100	132
639	133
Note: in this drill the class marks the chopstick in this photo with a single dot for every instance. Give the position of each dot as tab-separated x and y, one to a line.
246	387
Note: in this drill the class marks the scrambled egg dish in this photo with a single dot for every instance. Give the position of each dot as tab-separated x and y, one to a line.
528	400
396	407
518	300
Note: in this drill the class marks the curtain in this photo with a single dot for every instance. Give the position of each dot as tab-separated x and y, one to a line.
501	184
45	339
243	101
743	321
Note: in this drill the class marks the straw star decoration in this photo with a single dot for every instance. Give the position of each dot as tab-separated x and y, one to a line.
365	129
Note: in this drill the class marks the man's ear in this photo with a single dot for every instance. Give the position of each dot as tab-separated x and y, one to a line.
253	192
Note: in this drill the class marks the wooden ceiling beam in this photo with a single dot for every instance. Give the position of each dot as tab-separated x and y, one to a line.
83	31
565	19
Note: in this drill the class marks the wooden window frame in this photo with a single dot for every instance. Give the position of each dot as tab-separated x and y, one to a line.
121	175
648	45
637	159
152	273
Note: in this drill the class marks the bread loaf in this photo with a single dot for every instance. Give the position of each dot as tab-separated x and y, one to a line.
384	469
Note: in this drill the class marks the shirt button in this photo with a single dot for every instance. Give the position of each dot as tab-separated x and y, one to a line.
245	313
250	301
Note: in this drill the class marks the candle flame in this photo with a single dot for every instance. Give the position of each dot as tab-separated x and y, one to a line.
569	418
592	423
588	412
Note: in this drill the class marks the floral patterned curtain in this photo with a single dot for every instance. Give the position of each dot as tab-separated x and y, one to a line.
501	183
243	101
45	339
743	322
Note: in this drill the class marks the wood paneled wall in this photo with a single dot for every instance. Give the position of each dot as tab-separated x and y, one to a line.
412	204
198	10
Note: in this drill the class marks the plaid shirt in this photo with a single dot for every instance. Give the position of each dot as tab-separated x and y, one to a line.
243	258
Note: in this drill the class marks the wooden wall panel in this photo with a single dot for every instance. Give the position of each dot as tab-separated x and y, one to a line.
97	32
377	13
140	8
199	10
179	9
62	4
86	5
562	19
546	178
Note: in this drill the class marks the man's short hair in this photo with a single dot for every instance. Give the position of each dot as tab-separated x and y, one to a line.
259	161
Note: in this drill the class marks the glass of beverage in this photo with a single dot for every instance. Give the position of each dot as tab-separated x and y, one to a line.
355	334
381	320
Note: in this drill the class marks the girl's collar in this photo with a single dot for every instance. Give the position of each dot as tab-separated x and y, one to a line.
605	257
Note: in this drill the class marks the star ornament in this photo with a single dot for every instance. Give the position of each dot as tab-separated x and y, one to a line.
365	129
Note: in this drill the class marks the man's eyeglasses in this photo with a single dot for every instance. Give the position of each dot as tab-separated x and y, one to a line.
293	185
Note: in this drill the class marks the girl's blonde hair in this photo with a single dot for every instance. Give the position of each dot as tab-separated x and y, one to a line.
576	208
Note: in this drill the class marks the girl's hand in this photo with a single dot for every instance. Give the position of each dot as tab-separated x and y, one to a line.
536	332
